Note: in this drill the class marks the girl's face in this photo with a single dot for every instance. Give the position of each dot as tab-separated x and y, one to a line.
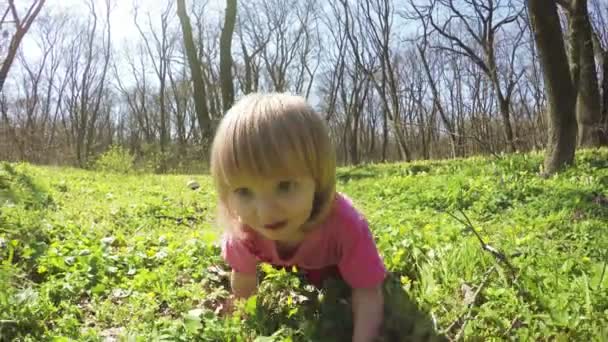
274	207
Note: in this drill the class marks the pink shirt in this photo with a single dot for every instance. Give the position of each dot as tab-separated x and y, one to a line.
343	241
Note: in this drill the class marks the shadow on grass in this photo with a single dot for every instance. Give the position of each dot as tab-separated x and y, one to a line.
355	173
404	320
19	188
328	317
23	222
368	171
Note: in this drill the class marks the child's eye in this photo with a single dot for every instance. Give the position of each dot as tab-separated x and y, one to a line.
286	186
243	192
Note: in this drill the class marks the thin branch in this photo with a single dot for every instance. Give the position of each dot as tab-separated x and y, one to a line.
508	20
465	317
11	5
469	52
495	252
474	58
473	34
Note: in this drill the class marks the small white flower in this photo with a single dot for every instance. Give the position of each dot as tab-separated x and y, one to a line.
108	240
161	255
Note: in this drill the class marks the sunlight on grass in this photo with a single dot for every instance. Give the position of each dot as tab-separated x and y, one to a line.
87	254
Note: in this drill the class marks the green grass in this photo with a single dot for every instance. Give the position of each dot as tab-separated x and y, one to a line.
88	255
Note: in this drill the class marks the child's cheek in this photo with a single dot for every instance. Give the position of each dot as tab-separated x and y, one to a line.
242	210
303	203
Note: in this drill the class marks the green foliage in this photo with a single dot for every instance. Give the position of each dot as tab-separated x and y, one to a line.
116	159
93	255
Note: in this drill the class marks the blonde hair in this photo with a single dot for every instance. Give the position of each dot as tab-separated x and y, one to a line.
275	135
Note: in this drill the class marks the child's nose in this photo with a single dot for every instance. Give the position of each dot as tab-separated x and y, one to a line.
267	210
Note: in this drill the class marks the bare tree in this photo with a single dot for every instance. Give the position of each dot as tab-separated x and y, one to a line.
86	66
532	96
160	51
422	48
181	95
412	76
207	32
226	55
200	93
280	32
379	15
21	26
558	84
51	36
334	62
473	31
367	62
102	86
37	81
138	98
251	64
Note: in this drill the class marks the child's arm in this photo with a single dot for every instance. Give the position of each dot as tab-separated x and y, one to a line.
368	307
243	284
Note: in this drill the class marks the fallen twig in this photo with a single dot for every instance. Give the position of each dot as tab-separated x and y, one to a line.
464	318
494	251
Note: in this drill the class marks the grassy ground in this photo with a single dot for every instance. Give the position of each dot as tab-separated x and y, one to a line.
91	255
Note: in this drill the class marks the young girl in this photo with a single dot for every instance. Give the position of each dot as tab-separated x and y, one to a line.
274	168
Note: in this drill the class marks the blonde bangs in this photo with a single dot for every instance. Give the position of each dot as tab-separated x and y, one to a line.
262	149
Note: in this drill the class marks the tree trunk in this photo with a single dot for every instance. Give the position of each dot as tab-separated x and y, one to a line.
437	101
506	121
226	55
561	142
503	101
601	55
604	111
582	63
354	147
384	135
202	112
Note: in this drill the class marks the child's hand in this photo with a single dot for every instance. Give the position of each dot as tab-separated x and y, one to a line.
243	285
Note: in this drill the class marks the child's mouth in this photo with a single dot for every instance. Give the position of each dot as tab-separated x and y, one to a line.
276	225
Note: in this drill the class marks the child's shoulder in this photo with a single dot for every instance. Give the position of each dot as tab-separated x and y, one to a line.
345	215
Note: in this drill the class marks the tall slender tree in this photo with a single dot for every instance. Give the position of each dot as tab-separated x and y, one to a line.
226	55
200	103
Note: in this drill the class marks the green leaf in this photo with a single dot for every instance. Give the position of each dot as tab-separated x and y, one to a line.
192	320
251	304
98	289
292	312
